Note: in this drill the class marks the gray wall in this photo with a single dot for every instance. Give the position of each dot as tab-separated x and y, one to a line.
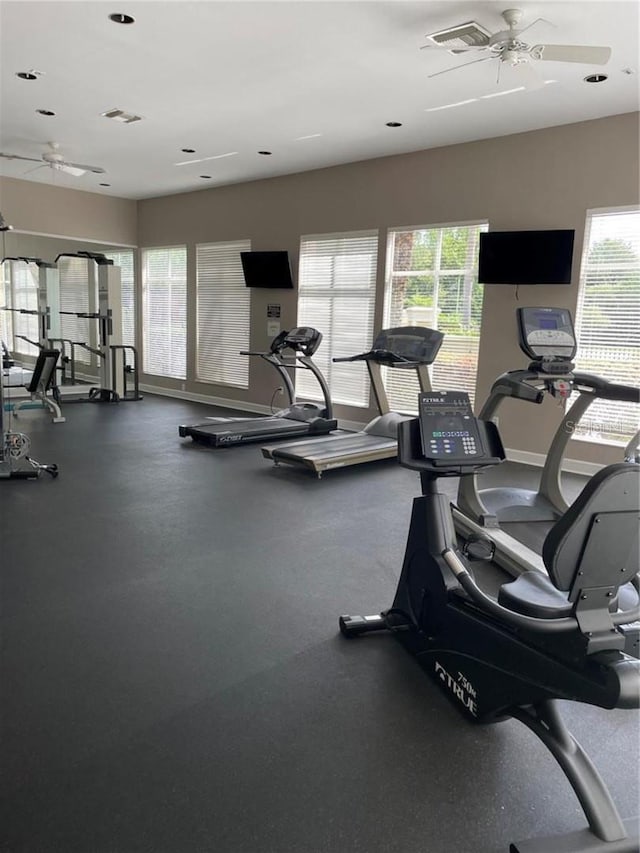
541	179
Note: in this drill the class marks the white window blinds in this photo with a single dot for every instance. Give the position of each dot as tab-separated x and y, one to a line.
6	325
74	296
608	319
433	282
124	260
23	289
337	291
223	314
164	311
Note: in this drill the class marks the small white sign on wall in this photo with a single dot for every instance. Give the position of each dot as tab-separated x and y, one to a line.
273	328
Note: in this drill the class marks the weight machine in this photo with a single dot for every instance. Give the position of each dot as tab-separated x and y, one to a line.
117	363
117	379
15	446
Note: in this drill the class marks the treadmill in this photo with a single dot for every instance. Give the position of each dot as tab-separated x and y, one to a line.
402	348
298	419
517	519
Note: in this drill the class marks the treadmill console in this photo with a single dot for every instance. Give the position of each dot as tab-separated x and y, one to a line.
546	334
303	339
448	429
414	344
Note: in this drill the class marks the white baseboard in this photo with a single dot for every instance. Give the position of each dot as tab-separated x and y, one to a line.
193	397
571	466
225	403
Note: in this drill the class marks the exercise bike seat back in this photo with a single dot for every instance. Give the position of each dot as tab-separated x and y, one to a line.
591	555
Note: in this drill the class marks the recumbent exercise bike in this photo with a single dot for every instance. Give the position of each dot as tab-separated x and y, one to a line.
566	636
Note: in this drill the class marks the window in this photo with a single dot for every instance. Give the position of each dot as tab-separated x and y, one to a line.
432	281
223	314
6	325
20	292
74	296
608	319
164	311
337	291
124	260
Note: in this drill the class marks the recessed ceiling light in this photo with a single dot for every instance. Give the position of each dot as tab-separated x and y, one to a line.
206	177
394	124
266	153
188	150
45	112
105	185
121	18
596	78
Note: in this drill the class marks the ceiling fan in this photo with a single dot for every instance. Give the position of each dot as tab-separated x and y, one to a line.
508	48
54	160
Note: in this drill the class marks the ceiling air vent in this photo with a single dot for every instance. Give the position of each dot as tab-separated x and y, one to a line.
464	35
121	116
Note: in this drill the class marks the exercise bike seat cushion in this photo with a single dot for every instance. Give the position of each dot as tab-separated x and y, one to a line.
533	594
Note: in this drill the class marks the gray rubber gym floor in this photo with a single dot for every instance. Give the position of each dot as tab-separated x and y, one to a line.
173	680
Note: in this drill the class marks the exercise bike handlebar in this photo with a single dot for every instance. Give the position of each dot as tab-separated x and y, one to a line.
518	620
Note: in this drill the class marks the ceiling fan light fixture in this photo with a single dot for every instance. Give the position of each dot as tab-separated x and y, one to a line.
28	75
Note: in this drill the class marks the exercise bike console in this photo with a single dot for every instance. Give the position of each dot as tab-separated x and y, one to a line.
447	440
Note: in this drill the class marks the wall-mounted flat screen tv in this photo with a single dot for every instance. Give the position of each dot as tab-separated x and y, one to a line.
266	269
526	257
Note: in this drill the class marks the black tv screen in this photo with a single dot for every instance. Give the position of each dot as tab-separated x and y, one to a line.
266	269
526	257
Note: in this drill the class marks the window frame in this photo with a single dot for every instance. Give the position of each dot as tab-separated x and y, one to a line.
145	314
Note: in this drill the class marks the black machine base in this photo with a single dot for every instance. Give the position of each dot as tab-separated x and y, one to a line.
234	432
582	841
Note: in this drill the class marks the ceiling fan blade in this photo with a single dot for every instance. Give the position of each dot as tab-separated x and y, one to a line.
68	169
533	23
455	67
587	54
19	157
35	168
97	170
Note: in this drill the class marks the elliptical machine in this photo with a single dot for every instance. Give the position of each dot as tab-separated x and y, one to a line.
565	636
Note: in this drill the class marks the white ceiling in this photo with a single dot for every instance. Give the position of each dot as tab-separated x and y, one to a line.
243	77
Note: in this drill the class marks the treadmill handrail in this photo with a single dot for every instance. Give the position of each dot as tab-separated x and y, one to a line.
383	356
605	389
